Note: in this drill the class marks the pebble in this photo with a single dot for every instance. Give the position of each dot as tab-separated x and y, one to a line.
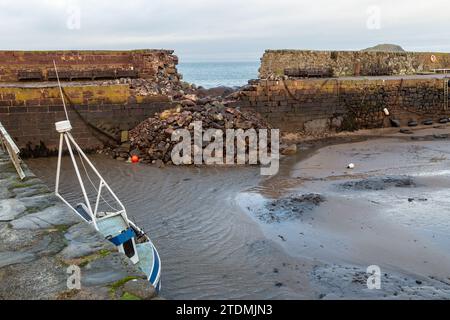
395	122
406	131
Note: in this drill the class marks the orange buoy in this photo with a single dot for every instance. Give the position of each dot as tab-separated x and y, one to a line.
134	159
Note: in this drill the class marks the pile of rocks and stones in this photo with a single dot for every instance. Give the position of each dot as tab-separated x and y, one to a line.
171	88
160	86
214	107
151	139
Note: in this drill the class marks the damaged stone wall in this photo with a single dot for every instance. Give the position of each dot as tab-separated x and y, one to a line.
95	64
352	63
97	112
336	104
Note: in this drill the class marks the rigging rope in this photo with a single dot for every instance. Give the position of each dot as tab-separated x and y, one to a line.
90	180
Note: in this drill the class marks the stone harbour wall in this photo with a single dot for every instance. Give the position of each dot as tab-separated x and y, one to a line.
95	64
97	112
352	63
321	105
40	238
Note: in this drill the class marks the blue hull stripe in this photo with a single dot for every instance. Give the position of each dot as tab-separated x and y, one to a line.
123	237
155	270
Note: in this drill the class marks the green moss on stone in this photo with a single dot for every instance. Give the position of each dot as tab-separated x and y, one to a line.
62	227
129	296
34	209
119	284
116	285
20	185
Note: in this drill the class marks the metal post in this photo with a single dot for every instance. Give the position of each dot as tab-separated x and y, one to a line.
80	180
58	168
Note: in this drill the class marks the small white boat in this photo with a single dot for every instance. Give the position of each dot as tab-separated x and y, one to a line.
114	225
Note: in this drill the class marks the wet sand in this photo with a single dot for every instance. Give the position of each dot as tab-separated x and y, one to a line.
391	211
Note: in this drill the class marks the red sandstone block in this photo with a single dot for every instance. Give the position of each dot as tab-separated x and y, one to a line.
30	130
18	103
42	109
8	96
107	108
24	139
55	108
51	102
32	102
5	103
17	109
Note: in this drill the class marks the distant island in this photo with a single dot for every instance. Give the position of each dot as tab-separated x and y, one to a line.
385	48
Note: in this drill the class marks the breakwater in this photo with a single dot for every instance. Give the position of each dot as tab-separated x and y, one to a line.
352	63
99	112
88	65
105	102
107	92
338	104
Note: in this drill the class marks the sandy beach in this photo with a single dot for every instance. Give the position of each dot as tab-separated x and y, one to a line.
390	210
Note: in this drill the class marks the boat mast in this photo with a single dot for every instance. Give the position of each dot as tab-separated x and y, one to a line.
60	90
64	127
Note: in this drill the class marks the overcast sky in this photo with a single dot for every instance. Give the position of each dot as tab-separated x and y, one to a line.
219	30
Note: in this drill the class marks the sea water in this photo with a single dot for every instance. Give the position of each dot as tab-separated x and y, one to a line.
215	74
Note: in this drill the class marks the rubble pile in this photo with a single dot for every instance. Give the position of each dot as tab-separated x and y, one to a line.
151	139
174	89
162	86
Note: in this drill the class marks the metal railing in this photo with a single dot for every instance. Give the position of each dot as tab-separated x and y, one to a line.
10	146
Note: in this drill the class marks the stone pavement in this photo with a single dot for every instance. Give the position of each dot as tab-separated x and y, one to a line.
40	238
